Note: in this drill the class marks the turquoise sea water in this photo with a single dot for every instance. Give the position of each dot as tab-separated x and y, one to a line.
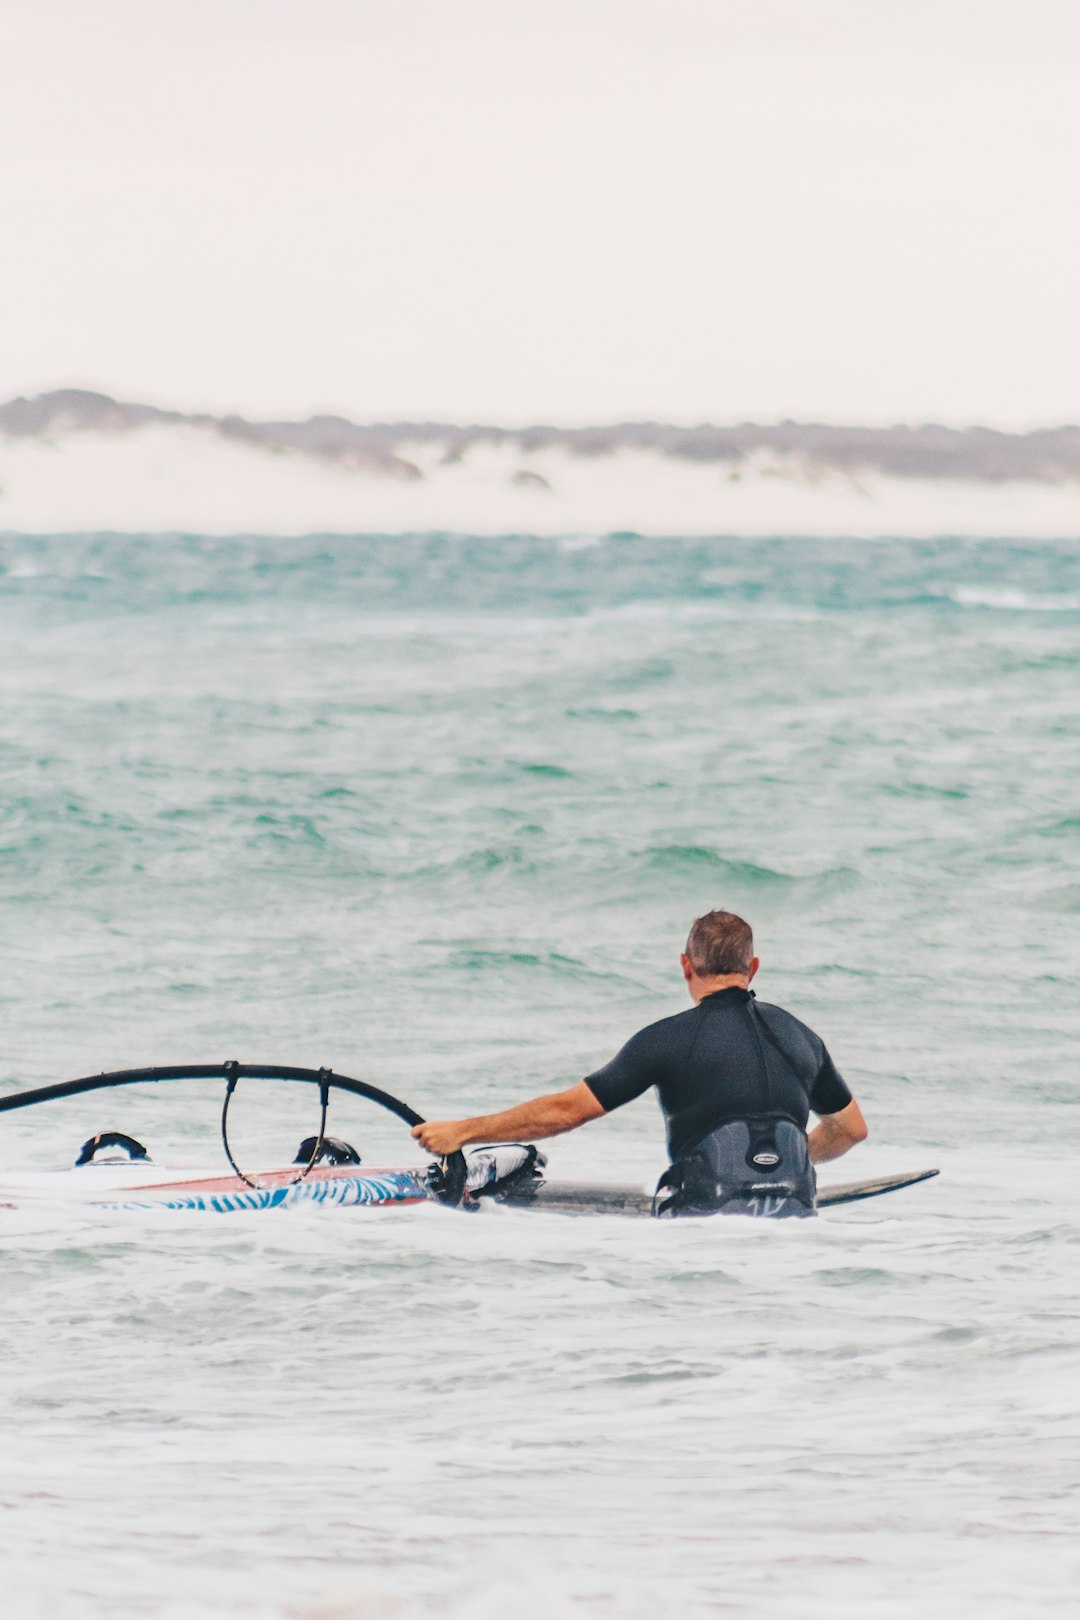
437	812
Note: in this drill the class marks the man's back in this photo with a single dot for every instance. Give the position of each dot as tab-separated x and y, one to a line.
730	1057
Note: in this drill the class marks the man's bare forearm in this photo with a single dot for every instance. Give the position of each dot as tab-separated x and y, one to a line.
826	1143
541	1116
836	1134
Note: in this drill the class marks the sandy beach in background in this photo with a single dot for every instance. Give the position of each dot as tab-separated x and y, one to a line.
182	478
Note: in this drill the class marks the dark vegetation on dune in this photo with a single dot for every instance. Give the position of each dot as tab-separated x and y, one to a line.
1045	455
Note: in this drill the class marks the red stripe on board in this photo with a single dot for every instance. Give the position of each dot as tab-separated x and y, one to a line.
264	1178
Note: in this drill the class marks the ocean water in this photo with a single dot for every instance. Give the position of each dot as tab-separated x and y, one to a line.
437	812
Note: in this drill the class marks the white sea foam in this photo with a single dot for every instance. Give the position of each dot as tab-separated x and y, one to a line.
1014	600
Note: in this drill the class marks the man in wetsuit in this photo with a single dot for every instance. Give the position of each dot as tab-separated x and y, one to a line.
736	1078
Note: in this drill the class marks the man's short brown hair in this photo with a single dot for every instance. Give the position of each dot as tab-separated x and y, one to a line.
720	943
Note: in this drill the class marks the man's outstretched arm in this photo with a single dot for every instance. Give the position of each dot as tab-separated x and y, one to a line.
836	1133
542	1116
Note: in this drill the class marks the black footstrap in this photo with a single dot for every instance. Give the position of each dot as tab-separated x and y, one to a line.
106	1139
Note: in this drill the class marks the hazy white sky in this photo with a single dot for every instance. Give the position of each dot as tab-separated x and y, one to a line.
546	209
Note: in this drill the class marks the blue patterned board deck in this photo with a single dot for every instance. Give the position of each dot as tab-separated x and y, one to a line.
380	1187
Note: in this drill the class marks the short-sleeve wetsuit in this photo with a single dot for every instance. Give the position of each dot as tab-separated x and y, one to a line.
731	1057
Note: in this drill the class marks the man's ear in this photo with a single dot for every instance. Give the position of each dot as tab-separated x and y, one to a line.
752	969
687	967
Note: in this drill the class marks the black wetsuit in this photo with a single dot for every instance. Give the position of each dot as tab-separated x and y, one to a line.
729	1060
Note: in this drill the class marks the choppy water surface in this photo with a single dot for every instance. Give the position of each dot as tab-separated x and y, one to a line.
437	812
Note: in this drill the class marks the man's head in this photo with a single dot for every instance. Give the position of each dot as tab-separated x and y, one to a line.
719	952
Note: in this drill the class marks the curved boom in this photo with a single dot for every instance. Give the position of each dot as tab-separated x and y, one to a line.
213	1071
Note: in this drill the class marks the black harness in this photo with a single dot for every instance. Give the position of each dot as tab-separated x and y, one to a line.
744	1167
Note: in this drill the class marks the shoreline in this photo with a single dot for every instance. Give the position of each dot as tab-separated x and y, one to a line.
76	462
